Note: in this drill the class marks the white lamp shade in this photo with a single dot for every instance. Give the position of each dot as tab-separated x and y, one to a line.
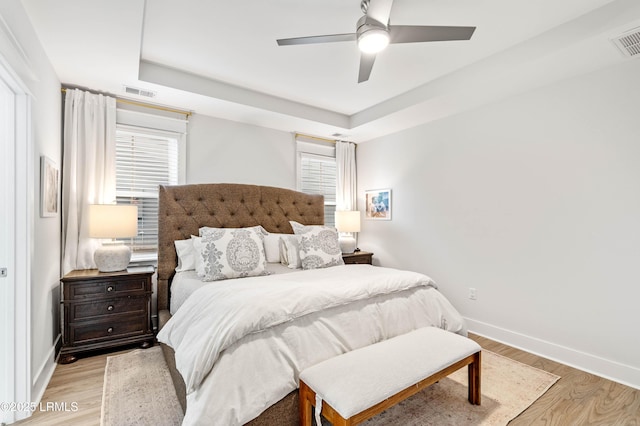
113	221
348	221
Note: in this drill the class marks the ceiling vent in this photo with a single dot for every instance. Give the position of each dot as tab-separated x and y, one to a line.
140	92
629	43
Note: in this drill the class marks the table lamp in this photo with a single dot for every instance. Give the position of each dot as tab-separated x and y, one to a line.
112	221
347	221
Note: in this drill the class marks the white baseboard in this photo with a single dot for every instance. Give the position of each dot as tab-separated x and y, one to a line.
42	378
612	370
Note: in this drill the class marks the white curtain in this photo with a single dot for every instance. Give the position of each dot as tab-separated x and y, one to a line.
88	171
346	175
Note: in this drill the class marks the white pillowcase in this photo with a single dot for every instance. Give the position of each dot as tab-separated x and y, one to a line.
272	247
290	251
233	253
197	249
186	255
319	247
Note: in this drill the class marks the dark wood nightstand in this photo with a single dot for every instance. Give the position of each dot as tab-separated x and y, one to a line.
358	257
105	309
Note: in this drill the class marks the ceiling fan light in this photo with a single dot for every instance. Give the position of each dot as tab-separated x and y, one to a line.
373	40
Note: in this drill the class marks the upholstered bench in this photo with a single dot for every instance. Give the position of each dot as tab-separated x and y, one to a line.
357	385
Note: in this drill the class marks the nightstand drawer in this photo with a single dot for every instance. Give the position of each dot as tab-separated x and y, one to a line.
361	260
105	308
107	288
358	258
106	330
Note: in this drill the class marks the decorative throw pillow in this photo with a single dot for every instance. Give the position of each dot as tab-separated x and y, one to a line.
205	230
319	247
233	253
290	251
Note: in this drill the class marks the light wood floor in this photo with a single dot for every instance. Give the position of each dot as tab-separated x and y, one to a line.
578	398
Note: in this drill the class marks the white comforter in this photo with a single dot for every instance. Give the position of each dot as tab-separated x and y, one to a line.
241	344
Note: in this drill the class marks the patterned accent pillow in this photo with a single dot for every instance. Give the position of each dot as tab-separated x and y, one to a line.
233	253
319	247
206	230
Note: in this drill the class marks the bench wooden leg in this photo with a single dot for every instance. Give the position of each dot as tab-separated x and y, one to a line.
306	395
474	379
307	399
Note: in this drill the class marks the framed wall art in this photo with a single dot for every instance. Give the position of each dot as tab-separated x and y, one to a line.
378	204
49	177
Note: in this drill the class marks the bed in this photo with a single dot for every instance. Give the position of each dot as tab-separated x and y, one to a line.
252	379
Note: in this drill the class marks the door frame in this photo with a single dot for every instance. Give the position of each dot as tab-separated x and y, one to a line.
18	387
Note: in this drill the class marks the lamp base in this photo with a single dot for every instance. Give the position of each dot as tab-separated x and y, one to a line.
112	256
347	244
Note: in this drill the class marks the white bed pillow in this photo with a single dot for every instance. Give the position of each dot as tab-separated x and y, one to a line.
233	253
272	247
197	254
319	247
290	251
186	255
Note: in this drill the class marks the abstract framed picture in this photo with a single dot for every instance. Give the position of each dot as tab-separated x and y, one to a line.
378	204
49	176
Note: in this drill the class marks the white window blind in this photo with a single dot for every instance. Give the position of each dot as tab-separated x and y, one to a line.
144	160
317	175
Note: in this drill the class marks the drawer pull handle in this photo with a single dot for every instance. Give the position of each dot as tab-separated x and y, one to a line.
110	308
110	330
110	288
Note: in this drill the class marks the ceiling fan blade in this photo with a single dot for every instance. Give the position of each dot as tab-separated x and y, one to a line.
380	10
416	33
366	64
331	38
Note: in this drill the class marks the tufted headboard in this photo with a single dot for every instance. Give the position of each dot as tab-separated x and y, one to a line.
183	209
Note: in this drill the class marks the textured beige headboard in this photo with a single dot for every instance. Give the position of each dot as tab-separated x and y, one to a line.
183	209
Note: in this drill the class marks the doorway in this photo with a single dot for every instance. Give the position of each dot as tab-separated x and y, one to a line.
16	205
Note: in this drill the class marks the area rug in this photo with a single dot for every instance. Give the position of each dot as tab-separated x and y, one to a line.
133	382
508	388
138	390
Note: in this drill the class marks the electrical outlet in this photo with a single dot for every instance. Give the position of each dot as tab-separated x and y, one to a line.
473	294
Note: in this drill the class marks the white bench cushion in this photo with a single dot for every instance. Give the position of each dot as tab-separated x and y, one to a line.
357	380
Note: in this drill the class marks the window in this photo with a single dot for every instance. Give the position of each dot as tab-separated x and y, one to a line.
145	159
317	174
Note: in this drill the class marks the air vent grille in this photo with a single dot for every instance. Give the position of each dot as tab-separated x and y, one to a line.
140	92
629	43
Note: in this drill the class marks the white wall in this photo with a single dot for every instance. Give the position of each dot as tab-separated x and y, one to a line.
36	72
533	201
223	151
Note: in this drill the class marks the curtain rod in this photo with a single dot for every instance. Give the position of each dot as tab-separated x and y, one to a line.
145	105
315	137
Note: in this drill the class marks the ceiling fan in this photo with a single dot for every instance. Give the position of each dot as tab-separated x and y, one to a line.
374	33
